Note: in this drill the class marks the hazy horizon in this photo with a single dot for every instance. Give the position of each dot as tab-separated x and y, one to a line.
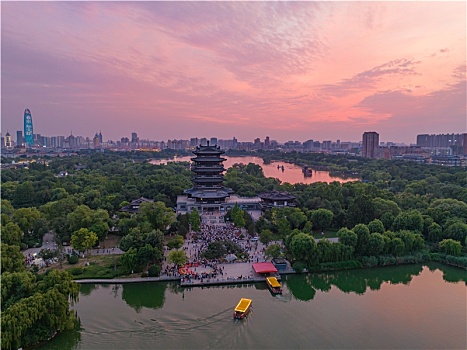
288	70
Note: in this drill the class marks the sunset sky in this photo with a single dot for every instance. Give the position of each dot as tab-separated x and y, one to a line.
288	70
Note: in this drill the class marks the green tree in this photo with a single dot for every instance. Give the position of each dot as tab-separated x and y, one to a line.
397	247
457	231
11	234
322	218
35	317
283	226
81	217
147	255
265	236
12	259
15	286
24	195
376	244
434	232
273	251
303	247
361	210
25	218
237	216
443	209
410	220
451	247
376	226
176	242
296	218
195	220
157	214
125	225
83	239
177	257
347	237
130	259
363	239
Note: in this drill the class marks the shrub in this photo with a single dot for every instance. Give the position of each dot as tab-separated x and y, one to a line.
370	261
299	266
339	265
76	270
73	259
154	271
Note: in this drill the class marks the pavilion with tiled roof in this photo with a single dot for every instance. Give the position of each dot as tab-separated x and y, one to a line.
276	199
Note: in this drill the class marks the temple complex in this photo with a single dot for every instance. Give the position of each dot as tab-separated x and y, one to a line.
208	193
208	176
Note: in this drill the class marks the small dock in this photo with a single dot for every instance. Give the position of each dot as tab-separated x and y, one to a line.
217	281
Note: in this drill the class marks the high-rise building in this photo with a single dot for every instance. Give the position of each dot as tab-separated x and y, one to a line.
19	138
370	144
95	141
440	140
134	137
28	130
464	147
8	141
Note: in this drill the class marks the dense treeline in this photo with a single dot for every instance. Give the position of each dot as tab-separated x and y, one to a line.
80	207
399	208
402	212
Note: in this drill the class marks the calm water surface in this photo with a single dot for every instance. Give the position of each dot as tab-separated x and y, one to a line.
406	307
292	174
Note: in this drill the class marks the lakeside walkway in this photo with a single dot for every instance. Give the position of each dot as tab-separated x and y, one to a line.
232	272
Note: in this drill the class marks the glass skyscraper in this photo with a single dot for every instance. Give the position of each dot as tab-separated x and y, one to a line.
28	131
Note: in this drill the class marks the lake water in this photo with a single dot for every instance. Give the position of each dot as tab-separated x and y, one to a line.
292	173
405	307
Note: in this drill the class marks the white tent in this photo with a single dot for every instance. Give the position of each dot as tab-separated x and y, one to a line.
231	257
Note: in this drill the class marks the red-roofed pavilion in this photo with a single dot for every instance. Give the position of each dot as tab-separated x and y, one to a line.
264	267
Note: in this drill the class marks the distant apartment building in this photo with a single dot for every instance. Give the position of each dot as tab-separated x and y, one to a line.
326	144
455	142
370	144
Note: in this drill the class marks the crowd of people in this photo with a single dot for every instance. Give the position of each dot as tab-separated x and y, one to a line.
196	243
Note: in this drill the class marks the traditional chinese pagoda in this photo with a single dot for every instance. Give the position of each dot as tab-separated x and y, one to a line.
208	176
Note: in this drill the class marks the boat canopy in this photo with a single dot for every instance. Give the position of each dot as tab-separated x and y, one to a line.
243	305
273	282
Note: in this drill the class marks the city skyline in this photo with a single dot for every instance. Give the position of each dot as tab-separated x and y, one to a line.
287	70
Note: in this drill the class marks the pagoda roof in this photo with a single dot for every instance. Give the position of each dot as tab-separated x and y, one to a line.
208	159
276	195
208	150
208	178
208	194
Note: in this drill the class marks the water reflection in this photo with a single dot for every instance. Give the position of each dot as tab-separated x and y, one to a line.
292	174
66	340
303	287
86	289
452	275
148	295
